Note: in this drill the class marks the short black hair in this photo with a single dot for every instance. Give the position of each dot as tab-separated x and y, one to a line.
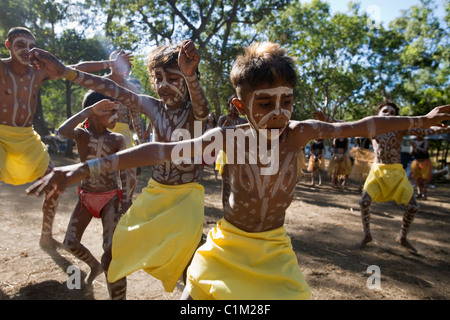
92	97
389	104
264	62
18	30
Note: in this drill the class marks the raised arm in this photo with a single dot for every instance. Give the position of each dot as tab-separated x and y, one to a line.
103	107
188	61
43	60
92	66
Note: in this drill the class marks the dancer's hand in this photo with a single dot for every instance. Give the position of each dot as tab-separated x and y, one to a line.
43	60
58	180
436	116
188	58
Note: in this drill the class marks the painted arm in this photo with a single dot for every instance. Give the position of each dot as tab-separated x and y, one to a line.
103	107
429	131
372	126
93	66
188	61
146	154
43	60
143	155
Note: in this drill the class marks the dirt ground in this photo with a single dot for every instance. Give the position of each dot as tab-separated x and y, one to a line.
324	225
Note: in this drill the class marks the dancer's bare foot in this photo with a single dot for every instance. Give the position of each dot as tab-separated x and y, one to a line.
367	238
95	272
405	243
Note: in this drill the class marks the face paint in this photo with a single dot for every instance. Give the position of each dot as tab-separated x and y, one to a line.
170	85
387	111
271	108
20	48
114	117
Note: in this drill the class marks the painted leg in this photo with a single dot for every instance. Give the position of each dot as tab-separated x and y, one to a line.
110	217
408	217
117	290
78	222
364	203
49	210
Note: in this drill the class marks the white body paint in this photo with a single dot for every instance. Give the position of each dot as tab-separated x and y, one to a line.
278	92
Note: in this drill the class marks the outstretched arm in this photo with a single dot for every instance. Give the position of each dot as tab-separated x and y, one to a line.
147	154
92	66
188	60
427	132
372	126
43	60
143	155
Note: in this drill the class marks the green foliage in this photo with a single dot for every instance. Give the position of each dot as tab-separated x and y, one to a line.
345	66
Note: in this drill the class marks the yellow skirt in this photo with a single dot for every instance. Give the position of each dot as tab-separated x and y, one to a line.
388	182
124	129
159	233
23	156
238	265
221	161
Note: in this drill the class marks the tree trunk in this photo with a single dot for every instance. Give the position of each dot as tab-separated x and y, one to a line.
38	120
69	146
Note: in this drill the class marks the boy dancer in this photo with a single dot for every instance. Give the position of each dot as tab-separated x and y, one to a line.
387	180
23	157
248	255
99	195
163	227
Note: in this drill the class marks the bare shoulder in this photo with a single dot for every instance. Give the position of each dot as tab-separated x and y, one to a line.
151	105
304	131
4	65
119	138
305	126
